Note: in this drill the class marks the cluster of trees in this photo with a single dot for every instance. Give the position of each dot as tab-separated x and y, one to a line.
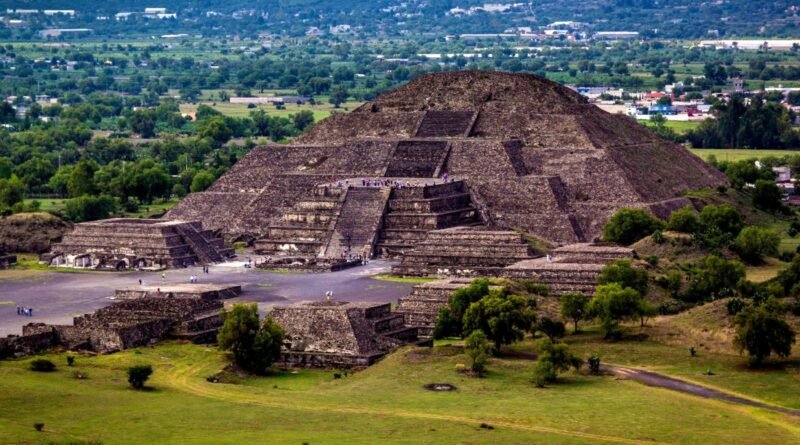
759	124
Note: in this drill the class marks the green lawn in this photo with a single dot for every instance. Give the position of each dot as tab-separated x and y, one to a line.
680	127
736	154
384	404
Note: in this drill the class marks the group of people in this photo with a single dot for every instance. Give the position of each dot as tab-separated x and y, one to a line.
24	311
388	182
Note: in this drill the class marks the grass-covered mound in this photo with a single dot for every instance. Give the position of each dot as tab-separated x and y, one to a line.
31	232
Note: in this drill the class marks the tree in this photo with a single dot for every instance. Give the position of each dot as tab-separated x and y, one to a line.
762	332
450	322
553	329
339	95
767	196
12	191
554	358
143	122
753	243
202	181
81	179
303	120
627	226
626	275
503	318
684	220
611	304
478	349
89	208
573	306
138	375
714	278
216	129
253	347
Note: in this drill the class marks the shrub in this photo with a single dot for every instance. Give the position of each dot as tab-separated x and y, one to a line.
594	364
762	332
627	226
652	260
553	329
43	365
543	373
714	278
767	196
503	318
89	208
753	243
254	347
724	217
553	359
612	303
138	375
734	306
70	360
450	322
626	275
39	426
684	220
478	349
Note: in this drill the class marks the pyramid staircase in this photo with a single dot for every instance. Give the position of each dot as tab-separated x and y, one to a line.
417	159
358	223
446	124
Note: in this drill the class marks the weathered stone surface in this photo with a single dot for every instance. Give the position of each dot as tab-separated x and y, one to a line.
338	334
124	243
527	154
201	291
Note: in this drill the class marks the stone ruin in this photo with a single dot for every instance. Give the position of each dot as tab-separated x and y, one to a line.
572	268
517	151
520	152
338	334
125	243
188	312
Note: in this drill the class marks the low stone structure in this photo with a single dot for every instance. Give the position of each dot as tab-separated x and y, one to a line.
124	243
126	324
571	268
338	334
201	291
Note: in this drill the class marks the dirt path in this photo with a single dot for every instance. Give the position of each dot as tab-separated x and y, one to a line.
653	379
657	380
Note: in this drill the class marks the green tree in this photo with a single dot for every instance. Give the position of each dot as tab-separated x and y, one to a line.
762	332
450	322
81	179
753	243
503	318
714	277
553	329
202	181
477	349
138	375
684	220
626	275
254	347
89	208
767	196
611	304
339	95
215	129
143	122
554	358
627	226
303	119
573	307
12	191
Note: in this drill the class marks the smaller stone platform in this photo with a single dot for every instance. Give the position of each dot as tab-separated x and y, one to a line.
339	334
199	291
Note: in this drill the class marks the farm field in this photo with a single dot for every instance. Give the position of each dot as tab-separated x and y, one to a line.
737	154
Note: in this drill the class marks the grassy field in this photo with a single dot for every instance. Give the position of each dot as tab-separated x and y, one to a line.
145	210
680	127
321	110
737	154
385	403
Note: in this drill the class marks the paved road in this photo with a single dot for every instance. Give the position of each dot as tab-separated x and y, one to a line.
56	297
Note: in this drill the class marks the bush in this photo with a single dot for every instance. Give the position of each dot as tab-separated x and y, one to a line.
478	349
753	243
762	332
43	365
553	329
450	320
543	373
767	196
684	220
39	426
714	278
70	360
724	217
626	275
734	306
612	303
594	364
627	226
89	208
254	347
553	359
138	375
